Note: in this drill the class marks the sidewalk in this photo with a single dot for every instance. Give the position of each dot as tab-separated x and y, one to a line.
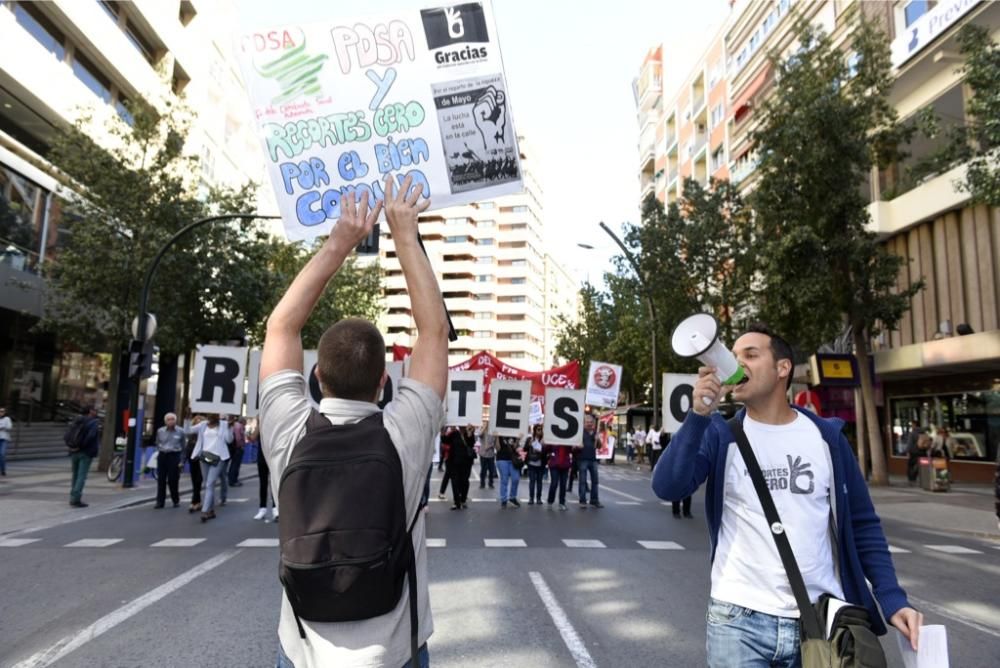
35	494
966	509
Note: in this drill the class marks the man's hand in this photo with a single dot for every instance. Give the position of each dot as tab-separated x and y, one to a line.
908	621
355	222
401	208
707	386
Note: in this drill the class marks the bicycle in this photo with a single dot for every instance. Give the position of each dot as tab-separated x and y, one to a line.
117	464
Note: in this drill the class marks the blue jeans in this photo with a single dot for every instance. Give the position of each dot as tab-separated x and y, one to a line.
81	466
211	474
558	481
423	656
508	474
535	474
738	636
591	466
487	468
3	456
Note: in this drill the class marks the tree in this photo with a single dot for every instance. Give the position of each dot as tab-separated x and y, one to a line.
982	75
821	268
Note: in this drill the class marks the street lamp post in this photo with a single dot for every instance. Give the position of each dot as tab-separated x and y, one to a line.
142	325
652	316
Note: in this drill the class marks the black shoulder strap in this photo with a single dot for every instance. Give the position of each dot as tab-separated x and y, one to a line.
810	622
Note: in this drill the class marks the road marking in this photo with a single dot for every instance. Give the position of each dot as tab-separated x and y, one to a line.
17	542
259	542
619	493
178	542
437	542
660	545
574	643
95	542
237	500
63	647
628	503
897	550
952	549
578	542
504	542
923	605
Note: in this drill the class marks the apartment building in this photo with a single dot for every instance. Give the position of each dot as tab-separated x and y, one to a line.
647	90
58	59
491	261
941	366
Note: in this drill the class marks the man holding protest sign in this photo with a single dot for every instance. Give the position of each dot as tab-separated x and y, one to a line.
355	627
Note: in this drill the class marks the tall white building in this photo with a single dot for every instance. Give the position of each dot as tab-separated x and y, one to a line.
66	57
490	260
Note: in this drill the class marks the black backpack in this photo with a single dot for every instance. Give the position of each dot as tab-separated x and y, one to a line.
345	545
75	433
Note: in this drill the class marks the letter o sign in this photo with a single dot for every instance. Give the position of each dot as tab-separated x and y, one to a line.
678	389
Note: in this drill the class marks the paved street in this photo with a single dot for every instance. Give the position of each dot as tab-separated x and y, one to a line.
626	585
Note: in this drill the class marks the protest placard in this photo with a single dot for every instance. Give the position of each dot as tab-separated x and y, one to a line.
563	423
603	381
217	384
464	398
509	407
340	104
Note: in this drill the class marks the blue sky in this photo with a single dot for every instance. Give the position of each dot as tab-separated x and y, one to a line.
569	66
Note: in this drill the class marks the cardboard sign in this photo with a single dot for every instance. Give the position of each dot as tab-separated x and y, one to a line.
217	386
395	372
464	398
677	391
253	383
536	416
603	381
563	423
510	405
340	104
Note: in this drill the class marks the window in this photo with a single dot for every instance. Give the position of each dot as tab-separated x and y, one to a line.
483	315
485	259
141	44
852	65
520	209
121	106
484	242
519	263
717	114
86	72
486	223
456	240
482	334
111	9
487	205
914	10
484	278
39	27
456	221
517	281
969	418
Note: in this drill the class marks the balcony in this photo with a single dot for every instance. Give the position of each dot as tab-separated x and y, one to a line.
743	169
929	199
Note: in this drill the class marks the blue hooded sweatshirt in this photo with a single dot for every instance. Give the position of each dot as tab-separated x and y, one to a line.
698	452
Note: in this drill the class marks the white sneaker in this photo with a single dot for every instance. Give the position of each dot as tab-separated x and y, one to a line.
261	514
274	514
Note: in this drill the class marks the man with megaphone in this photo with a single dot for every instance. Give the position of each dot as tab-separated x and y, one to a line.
786	506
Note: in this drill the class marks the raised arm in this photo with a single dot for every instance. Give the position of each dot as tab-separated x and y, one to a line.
283	340
429	360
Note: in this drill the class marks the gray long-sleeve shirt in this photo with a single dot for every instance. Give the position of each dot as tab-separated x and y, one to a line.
170	440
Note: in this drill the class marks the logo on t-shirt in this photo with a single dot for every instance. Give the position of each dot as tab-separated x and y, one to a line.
796	478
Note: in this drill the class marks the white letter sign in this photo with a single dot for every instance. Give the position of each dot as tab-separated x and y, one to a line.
217	386
510	403
563	417
465	398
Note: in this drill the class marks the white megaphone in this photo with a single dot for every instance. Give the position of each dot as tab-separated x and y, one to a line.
698	336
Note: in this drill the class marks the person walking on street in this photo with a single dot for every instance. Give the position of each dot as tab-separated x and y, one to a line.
461	454
170	442
823	503
587	457
237	426
487	458
194	466
5	426
89	445
913	452
639	440
652	443
443	461
535	456
212	452
559	457
351	373
509	462
660	442
629	448
263	479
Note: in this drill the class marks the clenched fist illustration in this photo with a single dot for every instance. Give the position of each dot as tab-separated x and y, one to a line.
490	115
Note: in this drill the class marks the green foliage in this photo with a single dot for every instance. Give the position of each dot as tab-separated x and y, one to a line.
130	199
822	132
982	75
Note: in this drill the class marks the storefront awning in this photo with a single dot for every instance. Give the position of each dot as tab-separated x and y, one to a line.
973	352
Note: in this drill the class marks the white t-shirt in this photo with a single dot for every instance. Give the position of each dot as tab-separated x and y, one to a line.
412	418
747	570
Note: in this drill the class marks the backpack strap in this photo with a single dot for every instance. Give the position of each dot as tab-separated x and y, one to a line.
807	614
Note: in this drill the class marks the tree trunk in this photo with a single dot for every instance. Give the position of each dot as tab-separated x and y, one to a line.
861	424
880	475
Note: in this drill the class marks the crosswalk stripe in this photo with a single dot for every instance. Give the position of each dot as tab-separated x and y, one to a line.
178	542
437	542
952	549
898	550
504	542
95	542
259	542
579	542
17	542
660	545
628	503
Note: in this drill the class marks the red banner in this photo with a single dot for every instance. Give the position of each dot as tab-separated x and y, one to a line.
566	376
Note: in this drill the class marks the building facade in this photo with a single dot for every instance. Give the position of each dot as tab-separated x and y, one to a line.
941	366
491	262
59	60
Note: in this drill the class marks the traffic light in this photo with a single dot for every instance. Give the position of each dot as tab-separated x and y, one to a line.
140	360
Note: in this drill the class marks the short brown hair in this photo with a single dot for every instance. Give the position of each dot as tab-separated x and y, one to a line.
351	360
